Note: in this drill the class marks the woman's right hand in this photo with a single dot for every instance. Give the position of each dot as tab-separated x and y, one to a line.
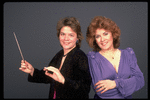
26	67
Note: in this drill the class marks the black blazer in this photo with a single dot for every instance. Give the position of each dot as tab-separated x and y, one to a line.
75	70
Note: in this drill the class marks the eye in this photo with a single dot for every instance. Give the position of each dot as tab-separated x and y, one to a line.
71	35
105	33
62	34
97	36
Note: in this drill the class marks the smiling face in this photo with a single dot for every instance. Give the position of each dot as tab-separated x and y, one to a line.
104	39
67	38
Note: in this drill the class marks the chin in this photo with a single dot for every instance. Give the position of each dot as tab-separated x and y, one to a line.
104	48
67	47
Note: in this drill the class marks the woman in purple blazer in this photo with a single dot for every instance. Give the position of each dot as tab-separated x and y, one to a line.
115	72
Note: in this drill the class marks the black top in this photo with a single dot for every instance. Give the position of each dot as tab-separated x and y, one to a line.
75	70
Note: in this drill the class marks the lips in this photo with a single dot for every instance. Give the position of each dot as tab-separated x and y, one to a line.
66	43
103	43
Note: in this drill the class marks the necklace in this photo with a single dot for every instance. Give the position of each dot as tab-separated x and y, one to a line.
65	55
112	57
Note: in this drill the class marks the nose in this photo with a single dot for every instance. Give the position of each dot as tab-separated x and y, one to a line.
102	39
66	37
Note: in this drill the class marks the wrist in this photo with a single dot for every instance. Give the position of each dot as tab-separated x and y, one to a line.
114	84
117	82
63	81
32	71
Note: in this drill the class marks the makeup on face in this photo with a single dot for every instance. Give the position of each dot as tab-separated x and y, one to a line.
67	38
104	39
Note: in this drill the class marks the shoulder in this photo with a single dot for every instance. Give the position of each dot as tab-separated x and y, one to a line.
55	58
58	54
91	54
129	51
80	54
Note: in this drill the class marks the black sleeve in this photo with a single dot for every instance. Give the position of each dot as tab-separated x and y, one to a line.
39	77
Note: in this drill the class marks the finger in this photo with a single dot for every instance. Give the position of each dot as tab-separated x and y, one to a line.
50	67
47	70
99	86
99	82
96	83
23	66
53	69
22	61
22	69
26	62
48	74
44	69
104	90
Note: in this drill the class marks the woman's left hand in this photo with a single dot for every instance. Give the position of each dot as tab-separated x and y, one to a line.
57	76
105	85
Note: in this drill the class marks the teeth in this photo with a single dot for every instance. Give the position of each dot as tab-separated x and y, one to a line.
103	43
66	43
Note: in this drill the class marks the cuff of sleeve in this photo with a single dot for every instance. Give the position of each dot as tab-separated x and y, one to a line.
69	83
120	86
117	82
31	78
66	83
64	86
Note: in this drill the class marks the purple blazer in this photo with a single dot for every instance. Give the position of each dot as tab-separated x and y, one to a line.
128	79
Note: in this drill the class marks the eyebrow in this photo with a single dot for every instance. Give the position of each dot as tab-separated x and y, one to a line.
105	32
102	33
67	33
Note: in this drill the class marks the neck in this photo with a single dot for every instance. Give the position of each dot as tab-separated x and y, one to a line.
108	51
66	51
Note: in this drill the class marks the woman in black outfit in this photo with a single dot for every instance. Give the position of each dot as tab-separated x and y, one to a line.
68	72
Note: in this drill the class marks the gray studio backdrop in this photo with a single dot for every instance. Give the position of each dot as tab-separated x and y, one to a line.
35	26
